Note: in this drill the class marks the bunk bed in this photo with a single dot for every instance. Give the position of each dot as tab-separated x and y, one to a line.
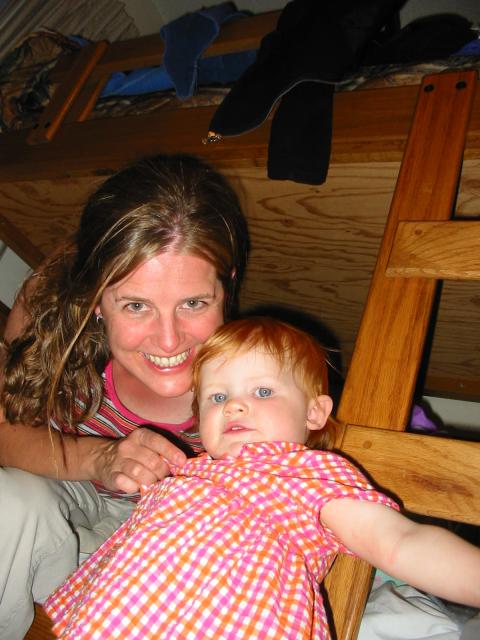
399	208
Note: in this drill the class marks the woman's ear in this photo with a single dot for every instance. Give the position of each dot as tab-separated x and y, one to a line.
319	409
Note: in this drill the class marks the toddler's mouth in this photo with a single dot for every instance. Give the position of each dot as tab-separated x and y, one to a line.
235	427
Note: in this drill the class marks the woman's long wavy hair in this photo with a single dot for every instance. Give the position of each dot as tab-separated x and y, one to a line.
53	370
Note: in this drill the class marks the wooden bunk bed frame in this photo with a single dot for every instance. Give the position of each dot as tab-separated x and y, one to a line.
433	128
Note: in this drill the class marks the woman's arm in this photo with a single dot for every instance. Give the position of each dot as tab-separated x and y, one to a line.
427	557
40	451
122	464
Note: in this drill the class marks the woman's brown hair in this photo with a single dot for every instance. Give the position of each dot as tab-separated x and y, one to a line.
54	369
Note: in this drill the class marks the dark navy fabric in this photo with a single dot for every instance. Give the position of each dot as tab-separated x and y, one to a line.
183	69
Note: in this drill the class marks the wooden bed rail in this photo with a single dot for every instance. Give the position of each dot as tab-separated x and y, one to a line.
377	133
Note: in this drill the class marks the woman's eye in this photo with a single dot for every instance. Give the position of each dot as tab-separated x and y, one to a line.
263	392
194	304
218	398
135	306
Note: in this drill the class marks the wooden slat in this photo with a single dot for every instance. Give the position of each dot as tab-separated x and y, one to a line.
347	586
383	371
446	250
236	36
86	100
148	51
434	476
243	34
56	110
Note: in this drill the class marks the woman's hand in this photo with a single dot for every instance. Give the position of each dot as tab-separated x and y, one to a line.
138	459
120	465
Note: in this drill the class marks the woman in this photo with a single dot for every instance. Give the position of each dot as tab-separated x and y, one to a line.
103	344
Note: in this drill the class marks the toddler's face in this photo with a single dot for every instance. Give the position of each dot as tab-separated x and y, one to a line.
249	398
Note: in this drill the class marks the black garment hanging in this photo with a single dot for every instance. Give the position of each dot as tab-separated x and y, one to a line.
313	46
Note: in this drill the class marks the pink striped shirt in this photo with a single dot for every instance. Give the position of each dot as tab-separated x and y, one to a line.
229	549
114	420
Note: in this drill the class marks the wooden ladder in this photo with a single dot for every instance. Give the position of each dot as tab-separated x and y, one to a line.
433	476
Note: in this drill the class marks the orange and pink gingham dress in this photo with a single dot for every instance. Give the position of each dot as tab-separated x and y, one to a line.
227	549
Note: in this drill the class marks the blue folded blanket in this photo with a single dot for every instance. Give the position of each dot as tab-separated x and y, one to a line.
186	38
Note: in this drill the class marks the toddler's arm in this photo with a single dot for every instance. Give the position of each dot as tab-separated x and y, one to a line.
427	557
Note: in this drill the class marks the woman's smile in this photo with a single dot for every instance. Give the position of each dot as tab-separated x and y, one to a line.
167	362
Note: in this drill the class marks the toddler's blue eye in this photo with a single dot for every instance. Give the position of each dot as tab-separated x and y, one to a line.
263	392
218	398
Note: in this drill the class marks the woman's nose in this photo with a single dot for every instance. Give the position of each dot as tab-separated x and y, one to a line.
168	334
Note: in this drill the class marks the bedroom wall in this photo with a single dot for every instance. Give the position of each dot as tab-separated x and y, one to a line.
12	272
415	8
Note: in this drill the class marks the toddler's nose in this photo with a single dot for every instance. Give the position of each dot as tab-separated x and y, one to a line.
234	405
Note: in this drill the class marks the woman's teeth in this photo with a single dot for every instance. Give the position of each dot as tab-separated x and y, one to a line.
163	361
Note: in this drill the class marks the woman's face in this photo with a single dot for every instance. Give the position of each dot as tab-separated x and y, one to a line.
157	317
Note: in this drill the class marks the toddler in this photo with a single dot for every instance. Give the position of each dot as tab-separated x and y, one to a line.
235	543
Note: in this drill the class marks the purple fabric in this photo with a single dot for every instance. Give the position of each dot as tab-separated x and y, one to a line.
419	421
